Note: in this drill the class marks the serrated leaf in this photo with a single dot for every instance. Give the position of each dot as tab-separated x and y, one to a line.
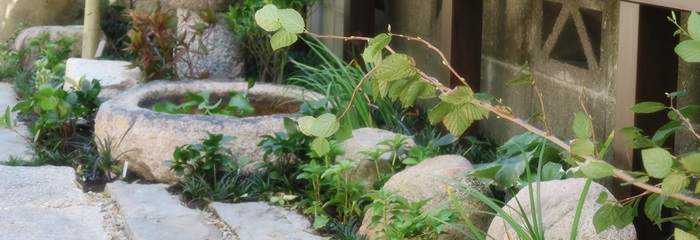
291	20
459	95
324	126
694	25
373	52
582	126
674	183
457	122
437	113
282	39
305	125
582	147
267	18
653	206
691	162
689	50
597	169
396	66
657	162
679	234
605	217
484	97
321	146
647	107
525	79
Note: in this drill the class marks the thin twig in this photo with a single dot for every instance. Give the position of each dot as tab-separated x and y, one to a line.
339	37
354	92
588	116
444	59
685	120
541	98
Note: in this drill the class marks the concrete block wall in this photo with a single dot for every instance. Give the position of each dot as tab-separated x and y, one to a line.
569	45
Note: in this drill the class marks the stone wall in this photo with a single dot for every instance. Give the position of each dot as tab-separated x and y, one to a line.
688	80
38	13
569	45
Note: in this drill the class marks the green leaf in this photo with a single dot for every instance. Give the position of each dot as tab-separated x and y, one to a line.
679	234
373	52
551	171
602	197
582	126
344	133
459	95
647	107
7	118
320	221
689	50
510	172
653	206
694	25
582	147
525	79
484	97
665	131
674	183
324	126
605	217
437	113
320	146
657	162
267	18
282	39
49	103
597	169
691	162
396	66
457	121
291	20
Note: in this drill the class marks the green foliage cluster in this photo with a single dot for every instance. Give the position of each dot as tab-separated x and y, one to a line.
9	57
50	66
211	173
263	63
199	103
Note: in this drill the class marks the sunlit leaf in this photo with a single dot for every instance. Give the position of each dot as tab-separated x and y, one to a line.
396	66
267	18
582	126
679	234
647	107
657	162
689	50
691	162
282	39
321	146
597	169
291	20
674	183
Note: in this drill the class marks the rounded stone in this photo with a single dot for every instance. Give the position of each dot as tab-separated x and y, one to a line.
38	13
149	137
559	200
433	178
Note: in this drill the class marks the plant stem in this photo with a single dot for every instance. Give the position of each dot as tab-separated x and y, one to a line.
579	208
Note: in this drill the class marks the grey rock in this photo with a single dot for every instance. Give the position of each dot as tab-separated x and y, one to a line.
152	213
153	136
433	178
76	222
114	76
38	13
39	187
55	32
368	139
14	143
220	55
260	221
559	201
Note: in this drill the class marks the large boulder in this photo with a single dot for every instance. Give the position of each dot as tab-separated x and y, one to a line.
198	5
559	200
432	178
25	37
38	13
368	139
141	5
149	137
114	76
214	53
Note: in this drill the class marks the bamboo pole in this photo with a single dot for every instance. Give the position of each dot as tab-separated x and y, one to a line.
91	28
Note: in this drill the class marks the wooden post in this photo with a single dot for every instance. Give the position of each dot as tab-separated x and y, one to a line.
91	28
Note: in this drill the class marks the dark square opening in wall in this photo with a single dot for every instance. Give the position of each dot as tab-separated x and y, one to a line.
593	22
568	47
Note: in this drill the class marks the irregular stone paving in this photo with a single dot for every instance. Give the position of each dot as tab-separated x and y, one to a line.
12	143
152	213
45	203
260	221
